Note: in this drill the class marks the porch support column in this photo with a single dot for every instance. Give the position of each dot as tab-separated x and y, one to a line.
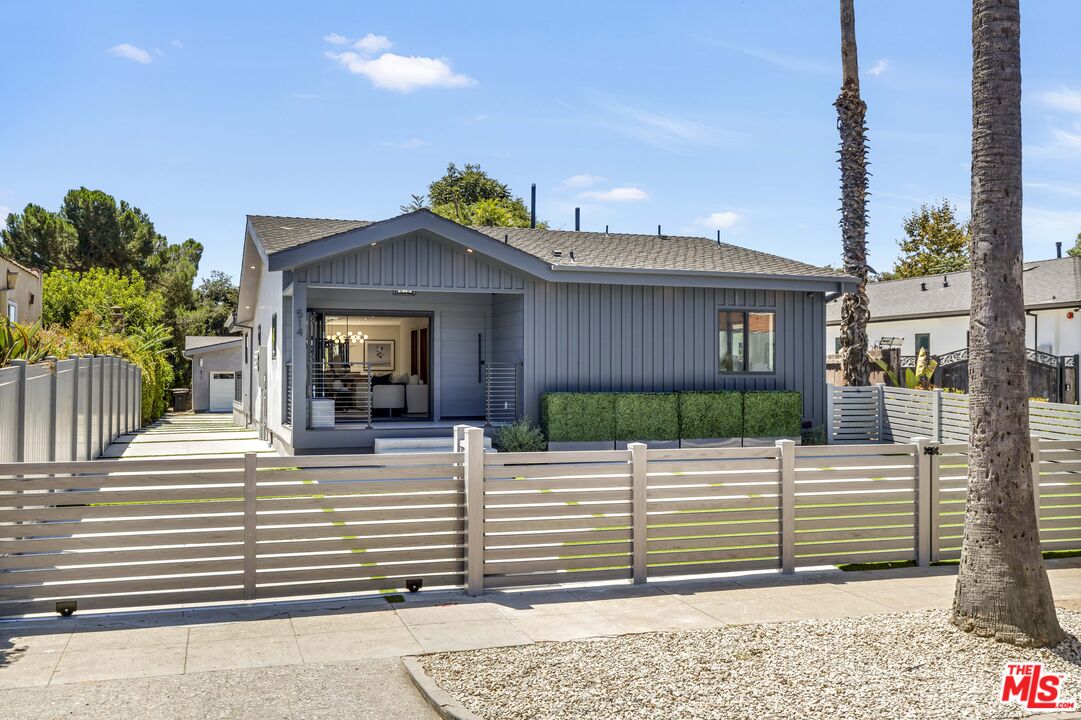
299	339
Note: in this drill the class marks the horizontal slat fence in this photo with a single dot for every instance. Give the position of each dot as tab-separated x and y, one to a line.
889	414
113	534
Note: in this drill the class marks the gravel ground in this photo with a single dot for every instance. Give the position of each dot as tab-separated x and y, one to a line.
908	665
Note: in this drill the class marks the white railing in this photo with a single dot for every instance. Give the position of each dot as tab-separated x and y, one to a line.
500	393
339	393
112	534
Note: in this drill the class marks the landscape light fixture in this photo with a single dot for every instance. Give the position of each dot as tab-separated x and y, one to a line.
66	608
414	584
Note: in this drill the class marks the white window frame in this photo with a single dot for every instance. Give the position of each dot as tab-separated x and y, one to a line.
13	311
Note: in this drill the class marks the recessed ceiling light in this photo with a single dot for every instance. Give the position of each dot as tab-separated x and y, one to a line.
373	244
252	267
247	307
469	249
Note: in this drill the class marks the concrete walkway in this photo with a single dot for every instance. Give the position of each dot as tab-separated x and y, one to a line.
188	435
338	659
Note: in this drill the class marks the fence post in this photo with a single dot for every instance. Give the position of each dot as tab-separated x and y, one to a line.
936	415
53	408
20	411
1034	442
474	511
829	414
639	525
75	390
786	450
923	500
249	525
458	437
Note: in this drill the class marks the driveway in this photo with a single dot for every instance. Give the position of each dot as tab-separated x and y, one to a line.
188	435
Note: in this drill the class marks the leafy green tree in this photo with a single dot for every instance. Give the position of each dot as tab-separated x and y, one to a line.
39	239
66	294
1075	251
93	213
472	197
935	242
215	299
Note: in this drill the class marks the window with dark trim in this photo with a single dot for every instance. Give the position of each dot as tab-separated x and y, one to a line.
747	341
923	340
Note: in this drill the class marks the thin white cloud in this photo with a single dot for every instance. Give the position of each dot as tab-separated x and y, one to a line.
1058	188
410	144
371	44
880	67
582	181
336	39
665	131
780	60
1042	227
402	73
720	220
130	52
1062	99
177	44
618	194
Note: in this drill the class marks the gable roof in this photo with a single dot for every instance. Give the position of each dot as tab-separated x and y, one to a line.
1047	283
608	251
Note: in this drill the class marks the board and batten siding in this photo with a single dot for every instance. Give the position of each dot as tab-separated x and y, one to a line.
418	260
596	338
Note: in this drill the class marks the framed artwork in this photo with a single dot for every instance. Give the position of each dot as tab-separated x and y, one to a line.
379	354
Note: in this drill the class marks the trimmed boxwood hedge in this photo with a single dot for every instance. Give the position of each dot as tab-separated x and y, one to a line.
647	416
578	417
705	415
772	414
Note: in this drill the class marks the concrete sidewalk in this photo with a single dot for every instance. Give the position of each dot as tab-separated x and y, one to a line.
332	659
188	435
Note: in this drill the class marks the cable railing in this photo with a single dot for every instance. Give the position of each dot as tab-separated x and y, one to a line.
340	393
288	410
500	393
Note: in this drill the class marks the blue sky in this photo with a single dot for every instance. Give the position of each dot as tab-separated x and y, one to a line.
694	116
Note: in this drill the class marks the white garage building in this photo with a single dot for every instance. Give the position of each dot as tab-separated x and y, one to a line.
216	364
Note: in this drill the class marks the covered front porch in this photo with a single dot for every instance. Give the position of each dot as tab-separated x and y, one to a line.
399	364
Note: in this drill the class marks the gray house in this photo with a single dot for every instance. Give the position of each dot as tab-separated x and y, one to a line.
355	330
215	364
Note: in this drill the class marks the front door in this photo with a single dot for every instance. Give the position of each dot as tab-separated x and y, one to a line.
463	348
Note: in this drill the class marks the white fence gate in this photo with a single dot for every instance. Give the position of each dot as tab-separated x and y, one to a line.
111	534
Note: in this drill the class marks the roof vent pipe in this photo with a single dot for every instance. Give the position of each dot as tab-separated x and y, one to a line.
923	286
1058	249
533	206
945	281
577	219
718	237
605	229
658	230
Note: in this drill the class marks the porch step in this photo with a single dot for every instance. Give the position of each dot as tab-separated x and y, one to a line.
385	445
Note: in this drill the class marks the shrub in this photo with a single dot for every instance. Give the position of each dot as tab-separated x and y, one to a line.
520	436
772	414
647	416
578	417
710	415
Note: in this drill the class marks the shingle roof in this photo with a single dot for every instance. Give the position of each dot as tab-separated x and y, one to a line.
590	249
1046	282
279	233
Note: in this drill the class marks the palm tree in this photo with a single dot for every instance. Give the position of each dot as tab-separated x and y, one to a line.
851	112
1002	589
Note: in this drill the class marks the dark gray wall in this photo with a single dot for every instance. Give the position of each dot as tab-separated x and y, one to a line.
590	338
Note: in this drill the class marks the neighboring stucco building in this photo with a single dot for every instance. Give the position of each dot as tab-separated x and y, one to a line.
20	292
932	311
216	363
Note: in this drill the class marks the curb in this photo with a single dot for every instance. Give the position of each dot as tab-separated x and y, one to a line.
446	706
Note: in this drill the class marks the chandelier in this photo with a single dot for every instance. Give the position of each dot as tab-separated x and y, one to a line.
350	337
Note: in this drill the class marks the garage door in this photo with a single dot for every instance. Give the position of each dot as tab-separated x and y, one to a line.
221	392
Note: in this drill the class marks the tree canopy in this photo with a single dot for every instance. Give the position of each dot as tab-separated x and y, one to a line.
472	197
1075	251
935	241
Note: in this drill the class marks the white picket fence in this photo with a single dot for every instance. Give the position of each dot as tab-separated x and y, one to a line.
887	414
155	532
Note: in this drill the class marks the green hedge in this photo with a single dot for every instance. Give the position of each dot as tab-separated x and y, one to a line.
772	414
710	415
578	417
647	416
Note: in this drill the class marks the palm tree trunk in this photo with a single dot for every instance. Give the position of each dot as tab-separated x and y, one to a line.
1002	589
851	113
